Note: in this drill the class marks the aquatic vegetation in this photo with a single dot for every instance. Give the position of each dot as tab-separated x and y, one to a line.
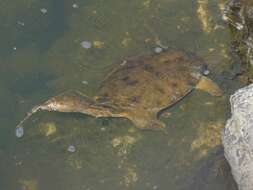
208	137
204	15
130	177
75	163
124	144
126	40
48	128
98	44
28	184
238	15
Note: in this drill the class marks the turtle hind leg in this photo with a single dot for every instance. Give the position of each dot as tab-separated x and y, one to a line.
157	125
149	123
153	124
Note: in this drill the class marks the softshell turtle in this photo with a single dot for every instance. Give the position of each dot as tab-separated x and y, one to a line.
139	88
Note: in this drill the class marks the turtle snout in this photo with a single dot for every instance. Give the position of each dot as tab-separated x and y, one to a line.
204	70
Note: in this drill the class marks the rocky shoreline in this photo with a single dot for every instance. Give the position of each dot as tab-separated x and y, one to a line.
237	136
239	16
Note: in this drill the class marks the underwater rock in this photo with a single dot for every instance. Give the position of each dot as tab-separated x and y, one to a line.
204	16
237	137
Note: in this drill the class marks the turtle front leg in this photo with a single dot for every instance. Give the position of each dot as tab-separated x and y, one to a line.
209	86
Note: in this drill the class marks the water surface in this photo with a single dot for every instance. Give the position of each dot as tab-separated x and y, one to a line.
41	55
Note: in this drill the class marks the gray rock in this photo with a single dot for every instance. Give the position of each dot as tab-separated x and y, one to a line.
237	137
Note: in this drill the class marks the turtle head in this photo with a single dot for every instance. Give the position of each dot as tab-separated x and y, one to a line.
63	104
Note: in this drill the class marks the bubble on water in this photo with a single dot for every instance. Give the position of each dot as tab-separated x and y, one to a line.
158	50
75	6
21	23
71	148
85	82
19	132
86	44
43	10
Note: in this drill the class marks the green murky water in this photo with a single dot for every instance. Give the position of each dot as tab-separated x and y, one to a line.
41	56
